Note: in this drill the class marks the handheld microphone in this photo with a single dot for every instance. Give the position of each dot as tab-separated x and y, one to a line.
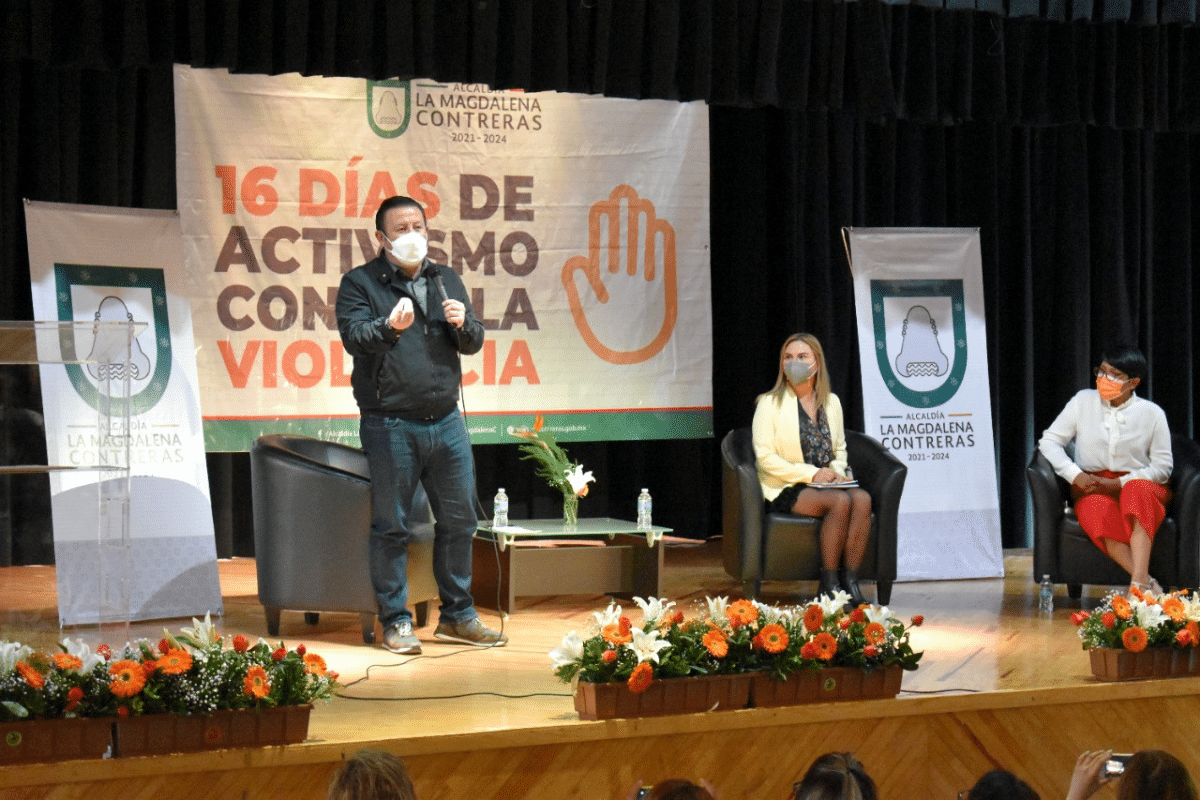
441	288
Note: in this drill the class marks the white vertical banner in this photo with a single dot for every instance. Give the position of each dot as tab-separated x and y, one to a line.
923	347
88	264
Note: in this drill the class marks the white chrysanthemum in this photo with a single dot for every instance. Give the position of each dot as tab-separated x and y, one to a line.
84	653
609	616
647	645
569	652
653	608
717	606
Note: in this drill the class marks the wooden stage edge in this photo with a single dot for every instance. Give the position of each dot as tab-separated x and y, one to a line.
915	747
999	686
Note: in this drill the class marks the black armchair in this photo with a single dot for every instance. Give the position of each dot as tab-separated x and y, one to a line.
759	546
1064	552
312	522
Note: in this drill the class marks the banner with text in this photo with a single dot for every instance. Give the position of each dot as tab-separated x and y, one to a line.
923	347
93	264
579	225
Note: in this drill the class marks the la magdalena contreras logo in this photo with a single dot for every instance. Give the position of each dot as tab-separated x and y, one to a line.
464	107
920	339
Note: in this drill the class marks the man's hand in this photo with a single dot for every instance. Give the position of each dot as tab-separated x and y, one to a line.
455	312
626	283
402	314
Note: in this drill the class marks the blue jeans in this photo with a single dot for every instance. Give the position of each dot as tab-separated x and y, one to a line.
437	455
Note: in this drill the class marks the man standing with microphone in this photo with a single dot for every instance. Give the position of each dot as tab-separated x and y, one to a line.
405	320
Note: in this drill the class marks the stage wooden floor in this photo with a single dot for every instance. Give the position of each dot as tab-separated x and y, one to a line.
999	685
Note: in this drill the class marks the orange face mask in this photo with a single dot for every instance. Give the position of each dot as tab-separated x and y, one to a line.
1109	389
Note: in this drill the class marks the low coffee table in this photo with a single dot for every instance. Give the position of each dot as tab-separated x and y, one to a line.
599	555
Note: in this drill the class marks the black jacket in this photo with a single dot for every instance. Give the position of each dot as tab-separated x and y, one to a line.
413	373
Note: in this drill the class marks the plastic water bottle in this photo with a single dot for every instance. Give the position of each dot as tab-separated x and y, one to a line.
1046	595
500	509
644	505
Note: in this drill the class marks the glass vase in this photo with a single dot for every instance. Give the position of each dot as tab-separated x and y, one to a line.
570	511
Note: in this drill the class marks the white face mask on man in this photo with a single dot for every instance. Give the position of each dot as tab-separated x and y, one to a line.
408	248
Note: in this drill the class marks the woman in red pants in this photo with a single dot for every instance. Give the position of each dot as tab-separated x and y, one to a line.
1122	462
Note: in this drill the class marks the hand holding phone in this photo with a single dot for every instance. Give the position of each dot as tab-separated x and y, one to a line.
1115	765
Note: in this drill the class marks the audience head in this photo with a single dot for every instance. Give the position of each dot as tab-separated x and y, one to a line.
676	789
371	775
1155	775
835	776
1000	784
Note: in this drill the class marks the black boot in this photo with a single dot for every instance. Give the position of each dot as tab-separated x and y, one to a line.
829	582
849	580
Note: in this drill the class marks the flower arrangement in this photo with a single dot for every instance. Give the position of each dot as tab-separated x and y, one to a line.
553	464
1140	621
193	672
733	637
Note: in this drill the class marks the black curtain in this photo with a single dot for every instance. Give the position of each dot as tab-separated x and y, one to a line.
1071	145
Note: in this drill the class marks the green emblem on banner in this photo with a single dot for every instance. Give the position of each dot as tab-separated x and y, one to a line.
921	363
389	105
114	294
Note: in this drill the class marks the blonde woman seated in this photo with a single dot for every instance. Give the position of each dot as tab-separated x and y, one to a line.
800	448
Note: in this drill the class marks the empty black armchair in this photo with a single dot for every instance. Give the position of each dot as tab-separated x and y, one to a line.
760	546
1064	552
312	524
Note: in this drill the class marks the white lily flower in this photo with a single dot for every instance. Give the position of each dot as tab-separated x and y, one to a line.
1149	615
790	616
880	614
579	479
609	616
768	615
569	652
10	654
653	608
1191	606
717	606
84	653
832	604
202	633
647	645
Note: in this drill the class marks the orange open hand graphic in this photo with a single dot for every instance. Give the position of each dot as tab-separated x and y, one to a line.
626	282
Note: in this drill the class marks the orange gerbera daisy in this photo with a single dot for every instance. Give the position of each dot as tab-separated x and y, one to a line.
715	643
256	682
858	615
175	662
825	644
1134	639
314	664
874	633
31	675
1173	608
808	651
1194	629
1184	637
813	617
1108	619
620	632
741	612
127	678
1121	608
774	638
642	677
148	668
66	661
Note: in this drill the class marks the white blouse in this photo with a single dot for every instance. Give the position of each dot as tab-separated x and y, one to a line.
1132	438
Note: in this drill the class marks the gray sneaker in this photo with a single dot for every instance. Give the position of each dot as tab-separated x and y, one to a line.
470	632
399	638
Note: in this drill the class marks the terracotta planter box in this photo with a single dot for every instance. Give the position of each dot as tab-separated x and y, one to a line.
43	740
664	696
157	734
826	685
1112	664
